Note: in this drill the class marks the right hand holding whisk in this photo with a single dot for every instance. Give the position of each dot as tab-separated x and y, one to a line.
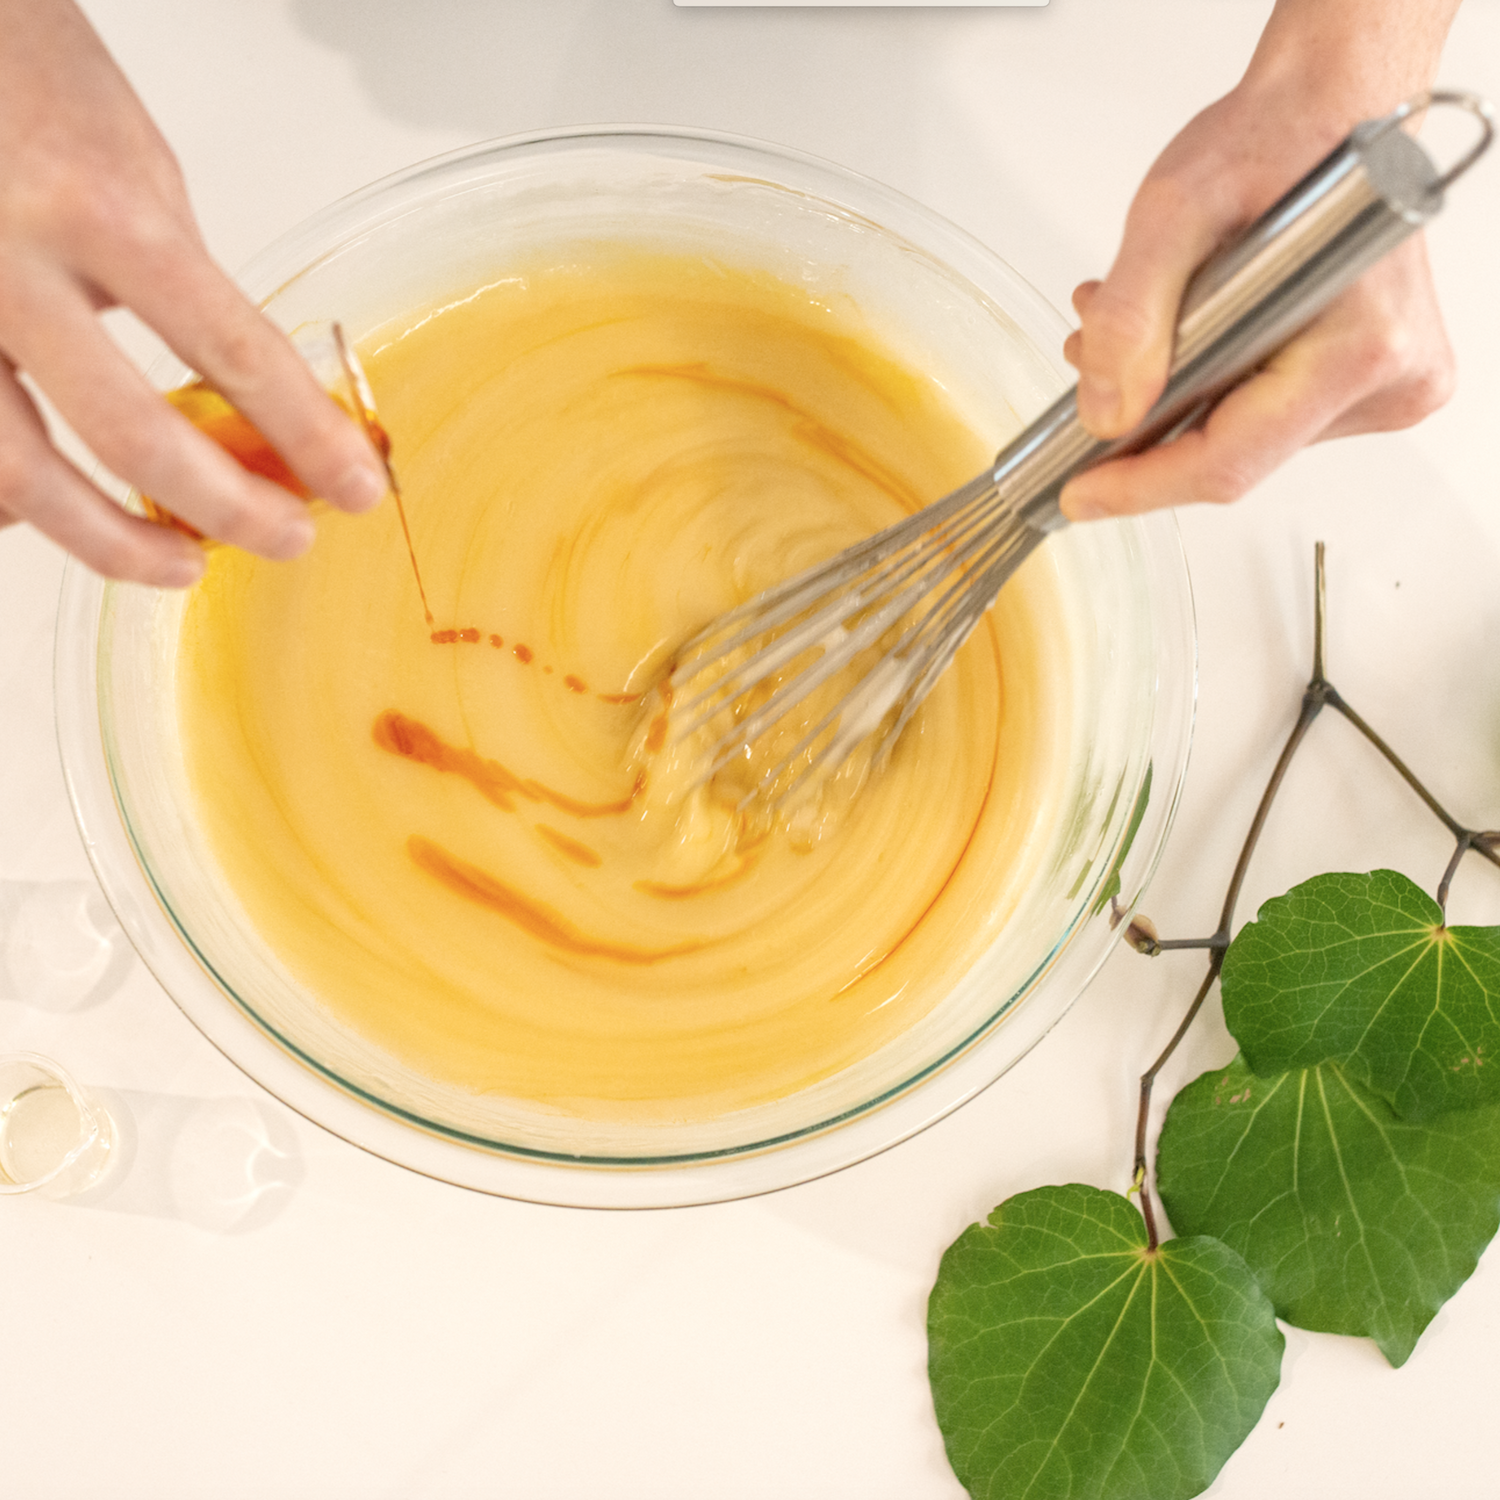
1376	359
93	214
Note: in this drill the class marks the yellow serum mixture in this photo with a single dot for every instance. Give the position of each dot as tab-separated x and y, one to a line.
447	828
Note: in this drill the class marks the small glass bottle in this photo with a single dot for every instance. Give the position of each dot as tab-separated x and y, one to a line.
337	368
54	1137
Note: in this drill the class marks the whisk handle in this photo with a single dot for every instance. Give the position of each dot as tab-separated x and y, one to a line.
1367	195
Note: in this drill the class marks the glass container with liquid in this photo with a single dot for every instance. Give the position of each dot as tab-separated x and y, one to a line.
54	1137
322	345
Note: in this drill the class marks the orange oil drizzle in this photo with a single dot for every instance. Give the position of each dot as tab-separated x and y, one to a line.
578	853
384	447
540	921
564	803
656	733
807	427
471	635
494	782
501	786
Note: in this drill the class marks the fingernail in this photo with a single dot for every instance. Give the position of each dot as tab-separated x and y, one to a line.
361	488
296	537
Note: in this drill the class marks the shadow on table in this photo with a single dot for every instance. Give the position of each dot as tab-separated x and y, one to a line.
228	1166
61	948
490	70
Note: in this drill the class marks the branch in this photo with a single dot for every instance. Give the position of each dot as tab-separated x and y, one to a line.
1487	845
1313	701
1319	694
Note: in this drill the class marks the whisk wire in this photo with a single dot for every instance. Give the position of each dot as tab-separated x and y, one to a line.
704	689
978	553
943	566
840	588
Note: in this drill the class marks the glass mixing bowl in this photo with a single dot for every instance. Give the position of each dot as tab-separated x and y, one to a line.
1123	650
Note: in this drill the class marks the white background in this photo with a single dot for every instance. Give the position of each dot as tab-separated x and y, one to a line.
868	4
259	1310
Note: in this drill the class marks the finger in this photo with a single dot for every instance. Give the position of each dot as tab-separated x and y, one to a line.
137	434
1130	318
39	486
1083	295
1377	359
221	334
1253	430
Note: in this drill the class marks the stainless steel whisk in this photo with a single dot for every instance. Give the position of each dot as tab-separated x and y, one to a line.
910	595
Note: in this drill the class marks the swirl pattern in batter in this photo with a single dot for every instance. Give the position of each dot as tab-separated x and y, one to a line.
439	826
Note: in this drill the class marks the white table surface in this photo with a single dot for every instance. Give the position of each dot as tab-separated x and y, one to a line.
257	1309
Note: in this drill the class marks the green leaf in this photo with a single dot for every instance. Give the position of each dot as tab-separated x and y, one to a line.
1353	1220
1360	969
1068	1361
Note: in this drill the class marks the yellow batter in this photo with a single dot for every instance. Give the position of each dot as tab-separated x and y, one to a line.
439	826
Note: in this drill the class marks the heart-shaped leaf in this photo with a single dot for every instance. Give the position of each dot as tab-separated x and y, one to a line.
1360	969
1069	1361
1353	1220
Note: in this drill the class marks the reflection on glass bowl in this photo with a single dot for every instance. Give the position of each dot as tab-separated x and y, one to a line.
1122	647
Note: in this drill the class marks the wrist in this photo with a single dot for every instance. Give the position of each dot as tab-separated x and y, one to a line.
1336	62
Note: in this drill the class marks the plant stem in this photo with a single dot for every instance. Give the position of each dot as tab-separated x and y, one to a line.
1313	701
1318	695
1484	844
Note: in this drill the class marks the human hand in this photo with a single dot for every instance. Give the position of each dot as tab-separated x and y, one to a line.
1376	359
93	214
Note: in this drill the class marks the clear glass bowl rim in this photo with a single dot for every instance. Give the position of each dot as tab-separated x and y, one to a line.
385	1130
